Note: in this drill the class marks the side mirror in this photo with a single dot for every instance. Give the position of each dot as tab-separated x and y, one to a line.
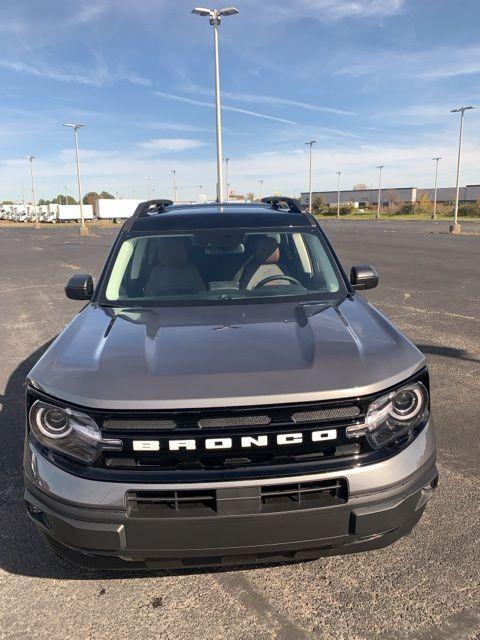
79	287
363	276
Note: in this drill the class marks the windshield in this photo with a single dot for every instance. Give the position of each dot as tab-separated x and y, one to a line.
222	265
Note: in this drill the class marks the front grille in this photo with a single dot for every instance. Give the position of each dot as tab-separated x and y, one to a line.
237	438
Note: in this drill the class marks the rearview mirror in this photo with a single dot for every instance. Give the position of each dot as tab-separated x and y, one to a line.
79	287
363	276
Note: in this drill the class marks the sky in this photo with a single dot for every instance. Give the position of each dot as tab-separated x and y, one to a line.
373	81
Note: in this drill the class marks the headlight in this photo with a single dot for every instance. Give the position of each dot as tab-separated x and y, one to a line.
69	432
393	415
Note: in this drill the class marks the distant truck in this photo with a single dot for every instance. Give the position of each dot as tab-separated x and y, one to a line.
116	210
69	212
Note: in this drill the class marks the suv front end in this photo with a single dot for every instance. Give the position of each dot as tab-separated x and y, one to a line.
233	425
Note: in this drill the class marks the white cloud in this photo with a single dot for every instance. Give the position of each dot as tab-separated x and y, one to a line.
432	64
201	103
273	101
282	171
332	10
99	76
171	144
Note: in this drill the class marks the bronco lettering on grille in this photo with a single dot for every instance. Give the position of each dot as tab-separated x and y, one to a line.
243	442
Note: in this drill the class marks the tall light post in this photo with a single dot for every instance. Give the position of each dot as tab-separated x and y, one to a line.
66	198
215	17
339	173
379	167
227	185
76	127
310	143
175	195
434	214
455	228
30	160
260	182
148	180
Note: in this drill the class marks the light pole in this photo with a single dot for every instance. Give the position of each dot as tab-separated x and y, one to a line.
76	127
379	167
227	185
31	159
215	17
455	228
434	214
66	198
175	196
310	143
339	173
148	180
261	188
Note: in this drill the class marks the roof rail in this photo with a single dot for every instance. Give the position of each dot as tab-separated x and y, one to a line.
145	209
151	206
276	202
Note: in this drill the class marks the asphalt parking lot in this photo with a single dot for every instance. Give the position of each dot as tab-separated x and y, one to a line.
425	586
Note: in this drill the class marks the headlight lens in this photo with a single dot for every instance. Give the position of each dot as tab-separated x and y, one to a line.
69	432
393	415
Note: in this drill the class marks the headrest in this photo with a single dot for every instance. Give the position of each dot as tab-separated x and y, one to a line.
267	251
172	252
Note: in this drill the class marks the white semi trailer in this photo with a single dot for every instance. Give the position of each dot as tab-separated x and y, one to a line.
116	210
69	212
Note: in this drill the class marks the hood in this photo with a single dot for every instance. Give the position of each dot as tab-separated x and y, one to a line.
237	355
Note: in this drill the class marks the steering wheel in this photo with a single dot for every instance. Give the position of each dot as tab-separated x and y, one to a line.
277	277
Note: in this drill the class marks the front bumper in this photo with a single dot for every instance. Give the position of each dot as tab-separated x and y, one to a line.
101	532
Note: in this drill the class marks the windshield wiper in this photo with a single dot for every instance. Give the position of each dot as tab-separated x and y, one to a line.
306	310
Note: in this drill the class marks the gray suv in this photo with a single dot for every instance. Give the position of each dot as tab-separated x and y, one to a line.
226	396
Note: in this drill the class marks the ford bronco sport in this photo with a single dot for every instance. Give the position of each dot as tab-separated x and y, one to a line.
226	396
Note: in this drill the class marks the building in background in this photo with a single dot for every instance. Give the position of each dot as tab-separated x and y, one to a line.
397	195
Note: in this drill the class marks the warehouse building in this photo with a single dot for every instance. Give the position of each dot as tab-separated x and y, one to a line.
363	197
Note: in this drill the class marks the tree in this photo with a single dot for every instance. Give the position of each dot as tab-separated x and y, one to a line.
394	201
106	196
90	198
424	204
63	199
319	206
250	196
360	187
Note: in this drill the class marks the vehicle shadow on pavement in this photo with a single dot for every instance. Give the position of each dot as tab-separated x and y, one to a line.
447	352
22	550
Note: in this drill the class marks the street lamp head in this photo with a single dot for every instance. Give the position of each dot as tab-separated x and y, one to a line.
461	109
310	142
202	12
30	158
228	11
74	125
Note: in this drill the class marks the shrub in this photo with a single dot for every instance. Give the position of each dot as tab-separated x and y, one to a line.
469	210
407	209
